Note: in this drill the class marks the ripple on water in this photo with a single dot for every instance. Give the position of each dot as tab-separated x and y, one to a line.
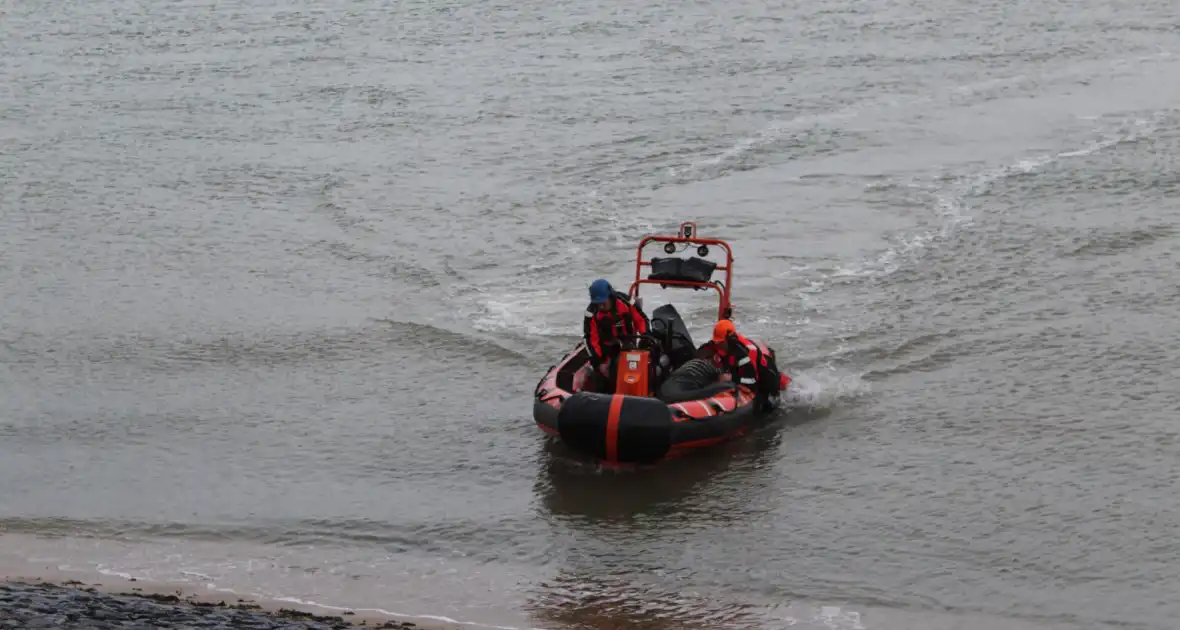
283	277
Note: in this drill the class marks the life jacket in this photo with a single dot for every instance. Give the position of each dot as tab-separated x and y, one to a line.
741	358
600	327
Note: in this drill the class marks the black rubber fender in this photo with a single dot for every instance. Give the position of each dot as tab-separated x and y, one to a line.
639	430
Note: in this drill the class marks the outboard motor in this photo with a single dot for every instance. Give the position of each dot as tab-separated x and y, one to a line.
669	328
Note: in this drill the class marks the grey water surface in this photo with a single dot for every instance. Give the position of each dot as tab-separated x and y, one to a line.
279	279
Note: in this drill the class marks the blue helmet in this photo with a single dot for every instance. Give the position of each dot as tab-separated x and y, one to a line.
600	291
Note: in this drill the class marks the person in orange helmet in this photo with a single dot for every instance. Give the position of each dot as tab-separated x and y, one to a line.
741	360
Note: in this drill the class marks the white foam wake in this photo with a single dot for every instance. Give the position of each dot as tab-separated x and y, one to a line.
956	212
968	92
211	586
817	390
399	615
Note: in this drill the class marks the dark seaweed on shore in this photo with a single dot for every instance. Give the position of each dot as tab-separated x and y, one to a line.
74	606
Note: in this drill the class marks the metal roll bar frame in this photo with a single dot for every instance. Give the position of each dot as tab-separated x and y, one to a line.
687	237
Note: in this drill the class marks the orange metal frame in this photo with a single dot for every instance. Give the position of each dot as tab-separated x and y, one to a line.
725	308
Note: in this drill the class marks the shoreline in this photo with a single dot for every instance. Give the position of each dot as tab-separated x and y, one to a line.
45	603
86	599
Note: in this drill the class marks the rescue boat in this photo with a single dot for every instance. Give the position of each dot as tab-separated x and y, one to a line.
668	399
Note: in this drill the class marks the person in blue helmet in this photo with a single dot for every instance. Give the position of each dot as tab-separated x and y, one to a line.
609	318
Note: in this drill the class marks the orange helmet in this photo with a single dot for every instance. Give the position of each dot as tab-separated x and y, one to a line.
723	329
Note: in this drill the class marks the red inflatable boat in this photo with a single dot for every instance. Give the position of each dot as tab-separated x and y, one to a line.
668	398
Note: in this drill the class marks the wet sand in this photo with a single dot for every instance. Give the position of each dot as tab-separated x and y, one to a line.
47	596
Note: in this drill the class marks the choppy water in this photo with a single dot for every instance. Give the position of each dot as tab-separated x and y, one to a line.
279	279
